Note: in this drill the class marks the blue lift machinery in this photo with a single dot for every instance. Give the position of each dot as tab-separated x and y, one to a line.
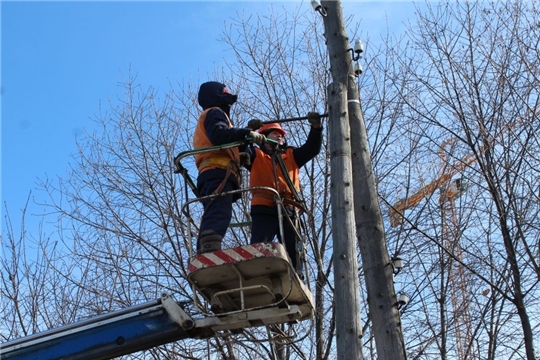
233	289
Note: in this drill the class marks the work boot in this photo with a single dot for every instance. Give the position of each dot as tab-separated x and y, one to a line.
209	241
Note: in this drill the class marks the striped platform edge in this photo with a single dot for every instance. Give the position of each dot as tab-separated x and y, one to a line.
236	255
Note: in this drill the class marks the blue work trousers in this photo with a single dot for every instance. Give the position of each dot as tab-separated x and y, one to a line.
265	226
218	210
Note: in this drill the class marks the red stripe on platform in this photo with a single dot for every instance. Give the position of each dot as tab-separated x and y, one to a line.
205	261
192	268
244	253
225	257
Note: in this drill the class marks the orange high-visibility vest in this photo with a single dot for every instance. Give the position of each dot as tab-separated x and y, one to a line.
218	159
262	174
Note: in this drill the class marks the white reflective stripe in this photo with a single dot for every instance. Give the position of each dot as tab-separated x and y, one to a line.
353	101
253	251
236	256
216	260
196	263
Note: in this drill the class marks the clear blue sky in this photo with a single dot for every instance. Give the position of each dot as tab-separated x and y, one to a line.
60	59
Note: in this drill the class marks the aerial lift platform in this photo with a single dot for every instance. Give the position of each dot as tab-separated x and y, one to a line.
243	278
247	286
250	277
233	289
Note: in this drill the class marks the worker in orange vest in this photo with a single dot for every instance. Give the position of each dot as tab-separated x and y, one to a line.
265	172
219	169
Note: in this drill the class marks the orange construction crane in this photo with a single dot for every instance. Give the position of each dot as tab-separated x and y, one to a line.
396	212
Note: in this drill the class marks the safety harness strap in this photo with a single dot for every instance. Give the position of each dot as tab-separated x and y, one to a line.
219	189
219	162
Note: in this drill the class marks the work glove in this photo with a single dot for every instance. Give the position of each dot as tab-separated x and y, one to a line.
254	124
257	138
245	160
314	119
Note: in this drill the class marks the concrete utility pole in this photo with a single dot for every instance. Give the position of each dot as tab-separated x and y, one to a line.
346	287
377	265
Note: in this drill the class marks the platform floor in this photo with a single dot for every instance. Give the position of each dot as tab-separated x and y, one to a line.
249	277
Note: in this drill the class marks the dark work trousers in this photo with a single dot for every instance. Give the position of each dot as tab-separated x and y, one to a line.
265	226
218	210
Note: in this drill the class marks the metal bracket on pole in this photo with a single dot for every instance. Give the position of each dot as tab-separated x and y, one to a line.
176	313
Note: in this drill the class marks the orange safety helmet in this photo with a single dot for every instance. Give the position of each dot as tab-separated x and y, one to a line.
268	128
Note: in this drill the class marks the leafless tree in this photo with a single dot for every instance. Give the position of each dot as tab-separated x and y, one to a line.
472	104
454	98
36	294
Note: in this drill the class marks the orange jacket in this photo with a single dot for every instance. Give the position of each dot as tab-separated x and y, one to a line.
218	159
262	174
